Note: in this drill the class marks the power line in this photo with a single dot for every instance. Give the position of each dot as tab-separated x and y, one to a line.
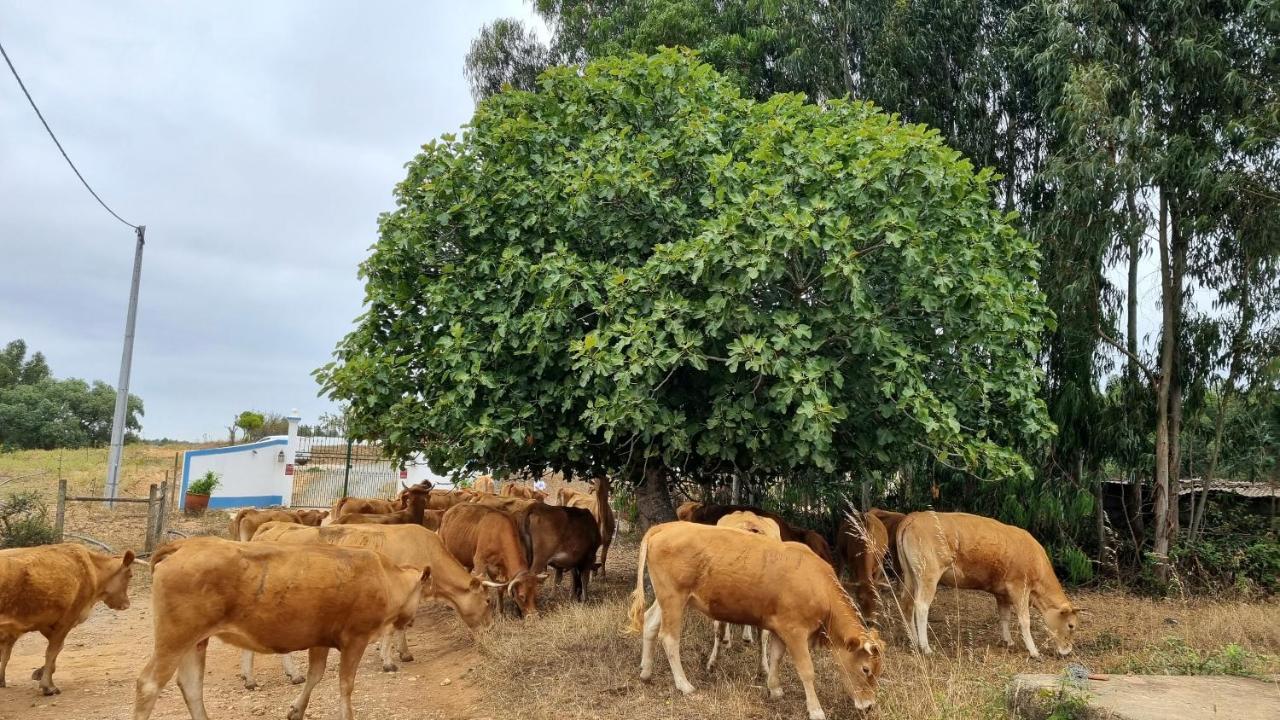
55	140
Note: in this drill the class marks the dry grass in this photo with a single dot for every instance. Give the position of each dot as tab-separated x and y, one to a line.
575	663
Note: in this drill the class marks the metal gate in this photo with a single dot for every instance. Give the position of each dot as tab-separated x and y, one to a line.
327	468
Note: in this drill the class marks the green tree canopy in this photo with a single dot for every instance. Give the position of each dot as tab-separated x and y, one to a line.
61	413
636	267
251	422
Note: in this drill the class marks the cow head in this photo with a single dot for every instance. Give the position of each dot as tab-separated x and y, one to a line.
1062	621
474	605
312	517
115	591
859	659
524	591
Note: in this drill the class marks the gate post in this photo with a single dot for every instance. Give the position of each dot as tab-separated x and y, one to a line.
162	514
151	520
346	473
60	517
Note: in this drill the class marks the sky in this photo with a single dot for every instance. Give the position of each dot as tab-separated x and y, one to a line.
258	143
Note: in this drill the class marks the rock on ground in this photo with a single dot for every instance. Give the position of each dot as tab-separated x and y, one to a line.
1146	697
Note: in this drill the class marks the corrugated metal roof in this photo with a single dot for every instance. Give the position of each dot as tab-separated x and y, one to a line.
1235	487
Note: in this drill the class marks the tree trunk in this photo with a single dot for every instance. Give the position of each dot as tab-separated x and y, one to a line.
1137	524
1167	342
653	498
1178	241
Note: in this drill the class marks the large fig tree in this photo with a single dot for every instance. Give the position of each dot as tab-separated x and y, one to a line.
635	270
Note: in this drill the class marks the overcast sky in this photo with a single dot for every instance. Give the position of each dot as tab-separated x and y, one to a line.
256	141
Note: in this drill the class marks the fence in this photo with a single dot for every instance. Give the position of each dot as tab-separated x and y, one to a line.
327	468
157	503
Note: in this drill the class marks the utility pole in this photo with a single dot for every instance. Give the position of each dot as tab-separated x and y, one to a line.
126	364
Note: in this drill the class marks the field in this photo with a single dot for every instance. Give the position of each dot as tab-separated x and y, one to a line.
574	662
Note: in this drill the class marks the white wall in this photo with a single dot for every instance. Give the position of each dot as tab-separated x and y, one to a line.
249	475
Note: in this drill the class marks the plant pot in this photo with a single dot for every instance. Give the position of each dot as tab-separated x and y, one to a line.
196	503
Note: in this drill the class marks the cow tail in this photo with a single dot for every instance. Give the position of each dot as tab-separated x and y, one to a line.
636	615
909	575
235	526
164	552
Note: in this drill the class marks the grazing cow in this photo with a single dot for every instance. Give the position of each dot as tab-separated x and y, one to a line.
747	579
520	490
752	523
444	499
507	504
404	545
559	537
861	545
415	505
977	553
367	506
597	503
51	589
890	520
711	514
487	542
483	484
248	520
270	598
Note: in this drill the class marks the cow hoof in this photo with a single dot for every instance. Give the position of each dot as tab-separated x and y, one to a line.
35	674
295	713
250	685
686	688
2	682
298	680
817	715
406	657
50	691
646	677
390	667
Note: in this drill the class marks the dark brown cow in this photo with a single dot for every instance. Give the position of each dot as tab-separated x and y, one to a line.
487	542
559	537
596	501
51	589
861	544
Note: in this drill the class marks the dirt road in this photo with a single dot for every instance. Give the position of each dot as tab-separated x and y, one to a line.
97	669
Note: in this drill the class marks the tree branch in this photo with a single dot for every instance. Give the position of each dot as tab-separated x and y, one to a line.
1137	361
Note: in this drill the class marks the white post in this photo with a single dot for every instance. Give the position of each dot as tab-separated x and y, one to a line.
126	363
290	453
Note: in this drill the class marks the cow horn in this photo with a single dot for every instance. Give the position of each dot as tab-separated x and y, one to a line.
492	584
541	576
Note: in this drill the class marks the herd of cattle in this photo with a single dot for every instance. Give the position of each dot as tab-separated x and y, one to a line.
291	580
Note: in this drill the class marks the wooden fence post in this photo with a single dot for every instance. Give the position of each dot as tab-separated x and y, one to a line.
60	518
151	519
166	489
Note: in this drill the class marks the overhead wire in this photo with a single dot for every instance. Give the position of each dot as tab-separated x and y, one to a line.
67	157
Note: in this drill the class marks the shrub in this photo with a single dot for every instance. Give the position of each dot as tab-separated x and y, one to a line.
24	522
1071	562
205	485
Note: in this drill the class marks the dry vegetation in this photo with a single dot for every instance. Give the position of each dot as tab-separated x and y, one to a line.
575	663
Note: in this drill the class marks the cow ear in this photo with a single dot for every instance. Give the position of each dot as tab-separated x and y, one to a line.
128	558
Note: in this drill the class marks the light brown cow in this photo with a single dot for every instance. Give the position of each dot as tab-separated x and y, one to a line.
745	521
431	519
483	484
861	545
890	519
248	520
747	579
368	506
521	490
972	552
408	545
414	500
487	542
50	590
687	509
269	597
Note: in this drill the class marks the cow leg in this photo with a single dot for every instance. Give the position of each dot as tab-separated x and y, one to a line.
765	636
669	633
559	576
604	555
748	634
906	606
246	670
154	676
6	649
773	649
191	680
402	644
1005	608
798	649
384	651
347	667
652	620
715	643
291	670
316	658
45	673
1024	622
920	608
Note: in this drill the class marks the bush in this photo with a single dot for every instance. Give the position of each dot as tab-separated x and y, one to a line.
1173	656
1236	552
24	522
1071	563
205	485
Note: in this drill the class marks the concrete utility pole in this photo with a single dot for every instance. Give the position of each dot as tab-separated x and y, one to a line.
126	364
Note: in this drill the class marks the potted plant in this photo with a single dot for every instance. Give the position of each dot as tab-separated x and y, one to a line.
198	492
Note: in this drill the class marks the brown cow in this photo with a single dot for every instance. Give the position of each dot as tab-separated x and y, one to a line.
861	545
431	519
483	484
51	589
711	514
487	542
248	520
507	504
368	506
559	537
415	505
752	523
596	501
687	509
890	520
977	553
404	545
270	598
520	490
747	579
